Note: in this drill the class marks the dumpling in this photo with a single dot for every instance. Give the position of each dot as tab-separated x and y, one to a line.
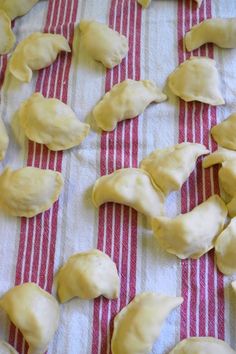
202	345
6	34
88	275
35	312
126	100
51	122
170	167
4	140
232	207
197	79
225	132
218	157
220	31
192	234
36	52
144	3
225	249
227	177
233	284
138	325
103	44
15	8
29	191
6	348
132	187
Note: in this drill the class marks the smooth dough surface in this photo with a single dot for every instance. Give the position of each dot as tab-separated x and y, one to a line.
51	122
220	31
15	8
225	249
4	140
218	157
192	234
6	34
37	51
103	44
227	177
132	187
224	133
88	275
138	325
233	284
144	3
170	167
126	100
29	191
197	79
6	348
35	312
202	345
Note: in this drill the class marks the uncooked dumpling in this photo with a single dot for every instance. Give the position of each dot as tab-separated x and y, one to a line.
4	140
220	31
227	177
170	167
6	34
192	234
233	284
138	325
88	275
6	348
15	8
29	191
224	133
225	249
218	157
35	52
51	122
144	3
35	312
126	100
197	79
132	187
232	207
103	44
202	345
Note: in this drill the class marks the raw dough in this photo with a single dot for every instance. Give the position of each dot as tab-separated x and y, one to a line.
144	3
227	177
4	140
6	34
224	133
202	345
6	348
15	8
218	157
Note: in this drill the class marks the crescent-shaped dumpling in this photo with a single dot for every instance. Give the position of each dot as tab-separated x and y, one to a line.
227	177
51	122
35	52
4	140
35	312
197	79
224	133
171	167
220	31
218	157
138	325
6	348
192	234
88	275
202	345
29	191
103	44
6	34
132	187
225	249
15	8
126	100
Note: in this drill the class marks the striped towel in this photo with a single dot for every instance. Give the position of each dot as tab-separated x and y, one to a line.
33	249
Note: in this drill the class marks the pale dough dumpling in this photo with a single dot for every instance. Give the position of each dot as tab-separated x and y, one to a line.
197	79
6	34
170	167
35	312
220	31
232	207
138	325
103	44
15	8
144	3
202	345
29	191
6	348
227	177
233	284
225	249
51	122
36	52
218	157
126	100
192	234
88	275
224	133
4	140
132	187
